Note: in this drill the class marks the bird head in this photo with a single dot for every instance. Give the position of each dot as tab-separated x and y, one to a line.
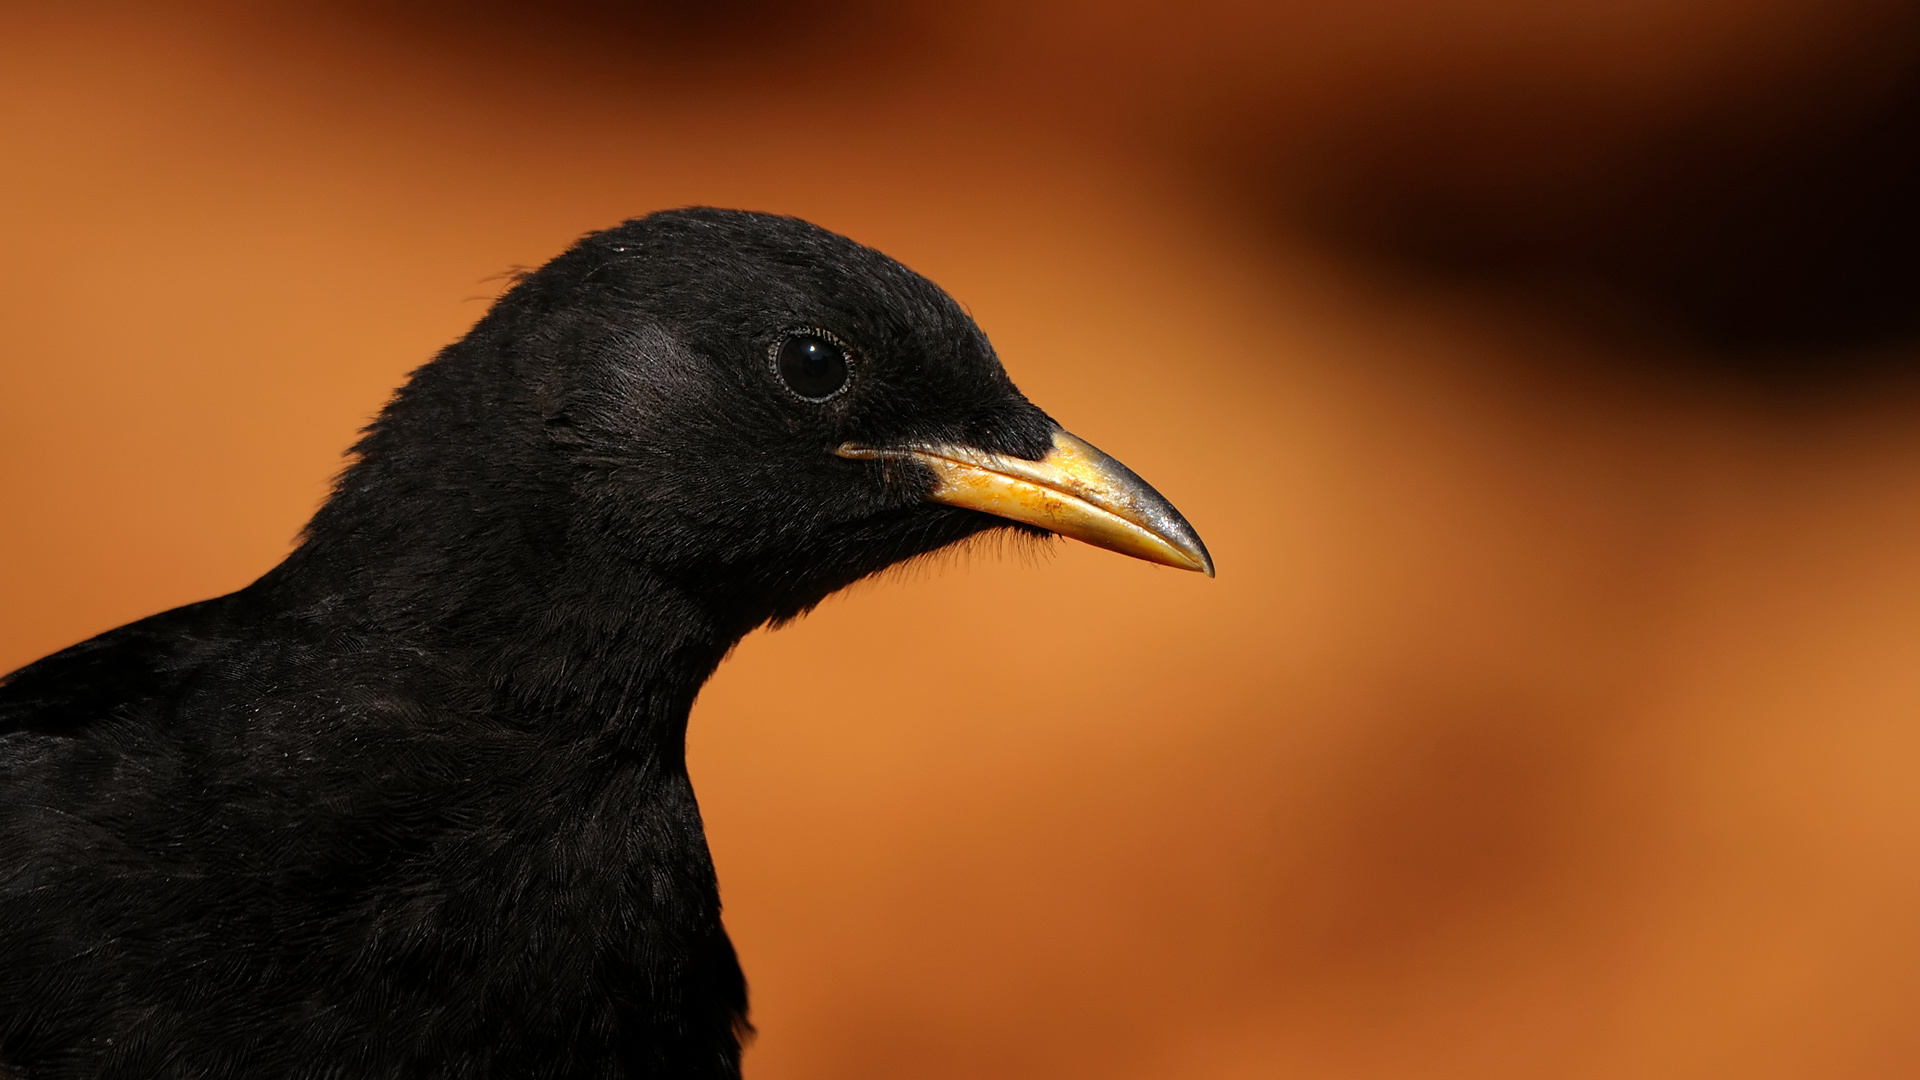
759	412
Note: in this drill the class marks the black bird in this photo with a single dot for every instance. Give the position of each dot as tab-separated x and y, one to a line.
415	803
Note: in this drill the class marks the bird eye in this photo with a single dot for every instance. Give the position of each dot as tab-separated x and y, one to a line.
812	365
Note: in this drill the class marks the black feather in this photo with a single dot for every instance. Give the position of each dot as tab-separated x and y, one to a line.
415	803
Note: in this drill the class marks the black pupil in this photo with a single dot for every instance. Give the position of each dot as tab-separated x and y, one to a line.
813	366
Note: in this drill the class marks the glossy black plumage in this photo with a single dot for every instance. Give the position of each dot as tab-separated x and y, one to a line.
415	803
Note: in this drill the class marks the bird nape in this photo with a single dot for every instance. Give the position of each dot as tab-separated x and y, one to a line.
415	803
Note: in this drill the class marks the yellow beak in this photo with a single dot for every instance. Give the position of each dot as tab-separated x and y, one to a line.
1075	490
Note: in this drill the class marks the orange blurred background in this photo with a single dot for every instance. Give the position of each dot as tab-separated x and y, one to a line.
1541	376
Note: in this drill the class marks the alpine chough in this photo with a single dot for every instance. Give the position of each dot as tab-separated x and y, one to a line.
415	803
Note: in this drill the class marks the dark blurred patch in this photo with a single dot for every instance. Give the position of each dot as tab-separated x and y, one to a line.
1449	817
803	42
1778	232
1762	217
